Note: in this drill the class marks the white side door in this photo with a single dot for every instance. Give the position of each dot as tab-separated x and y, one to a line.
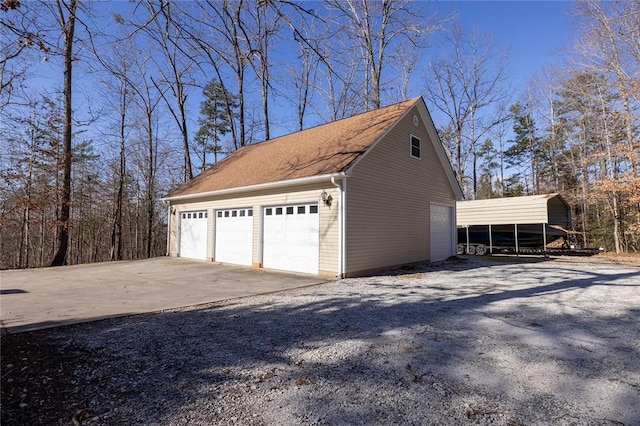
442	232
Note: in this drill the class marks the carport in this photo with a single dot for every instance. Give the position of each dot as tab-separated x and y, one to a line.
543	214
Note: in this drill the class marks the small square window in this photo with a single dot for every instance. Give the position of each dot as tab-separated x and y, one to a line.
301	209
289	210
219	214
242	213
249	212
226	214
415	147
313	209
278	210
234	213
188	215
268	212
200	215
184	215
205	214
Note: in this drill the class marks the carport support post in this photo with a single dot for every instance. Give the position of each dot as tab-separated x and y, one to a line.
466	227
544	238
490	241
516	238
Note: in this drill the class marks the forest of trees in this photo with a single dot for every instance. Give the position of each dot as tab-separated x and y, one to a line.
104	110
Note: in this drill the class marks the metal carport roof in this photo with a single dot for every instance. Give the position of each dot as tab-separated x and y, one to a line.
550	209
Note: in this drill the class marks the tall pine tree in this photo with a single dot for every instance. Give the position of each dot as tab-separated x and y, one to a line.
214	121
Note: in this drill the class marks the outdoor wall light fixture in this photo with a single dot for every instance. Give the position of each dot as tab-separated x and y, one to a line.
326	198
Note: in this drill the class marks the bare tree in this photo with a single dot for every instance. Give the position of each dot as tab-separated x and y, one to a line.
610	45
341	92
227	42
466	85
18	34
375	29
28	29
119	81
265	26
175	69
543	89
65	12
32	147
303	78
148	102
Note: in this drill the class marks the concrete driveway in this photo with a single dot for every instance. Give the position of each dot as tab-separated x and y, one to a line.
49	297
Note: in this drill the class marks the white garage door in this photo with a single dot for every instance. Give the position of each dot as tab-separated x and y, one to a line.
291	238
442	244
234	236
193	235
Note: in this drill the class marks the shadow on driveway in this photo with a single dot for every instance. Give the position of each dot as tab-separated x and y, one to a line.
461	344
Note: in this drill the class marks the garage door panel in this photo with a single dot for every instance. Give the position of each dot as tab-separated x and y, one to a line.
291	238
193	235
234	236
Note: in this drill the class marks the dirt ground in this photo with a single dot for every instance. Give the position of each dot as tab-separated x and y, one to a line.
468	341
631	259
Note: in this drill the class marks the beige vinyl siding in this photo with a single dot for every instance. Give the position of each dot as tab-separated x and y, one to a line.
388	200
515	210
328	257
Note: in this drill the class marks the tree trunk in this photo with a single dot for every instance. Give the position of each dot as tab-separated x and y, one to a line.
188	171
116	230
63	222
150	188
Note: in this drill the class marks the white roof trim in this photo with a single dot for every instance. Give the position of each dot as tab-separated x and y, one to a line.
258	187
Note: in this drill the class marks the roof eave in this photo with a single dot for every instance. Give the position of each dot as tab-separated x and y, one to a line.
259	187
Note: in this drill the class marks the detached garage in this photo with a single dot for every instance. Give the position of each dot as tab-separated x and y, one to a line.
367	192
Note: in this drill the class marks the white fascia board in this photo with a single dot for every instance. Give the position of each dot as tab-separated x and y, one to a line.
258	187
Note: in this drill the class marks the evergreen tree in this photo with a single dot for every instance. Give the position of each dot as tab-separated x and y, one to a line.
489	165
214	120
524	150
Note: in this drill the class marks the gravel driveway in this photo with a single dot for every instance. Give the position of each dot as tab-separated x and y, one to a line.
463	342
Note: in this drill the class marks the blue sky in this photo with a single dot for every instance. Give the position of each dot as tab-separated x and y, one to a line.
535	32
